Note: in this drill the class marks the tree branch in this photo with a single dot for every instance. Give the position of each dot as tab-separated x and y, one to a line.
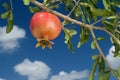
90	27
57	13
109	33
101	53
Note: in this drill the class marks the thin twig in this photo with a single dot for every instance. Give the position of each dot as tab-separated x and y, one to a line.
82	13
109	33
76	3
101	52
97	21
11	6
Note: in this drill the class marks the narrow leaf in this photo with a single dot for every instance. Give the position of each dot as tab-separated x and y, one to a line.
100	12
118	70
94	67
101	69
26	2
6	6
107	75
10	16
9	26
106	4
68	36
112	17
101	38
94	57
5	15
93	45
33	9
84	37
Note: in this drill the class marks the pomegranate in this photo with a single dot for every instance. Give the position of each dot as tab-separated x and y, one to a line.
45	26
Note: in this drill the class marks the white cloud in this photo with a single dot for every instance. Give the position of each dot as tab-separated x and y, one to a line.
114	61
9	42
2	79
73	75
36	70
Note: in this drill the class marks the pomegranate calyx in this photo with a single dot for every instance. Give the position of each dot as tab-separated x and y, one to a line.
44	43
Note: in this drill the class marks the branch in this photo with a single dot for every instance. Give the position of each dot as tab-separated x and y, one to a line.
90	27
11	6
76	3
109	33
101	53
57	13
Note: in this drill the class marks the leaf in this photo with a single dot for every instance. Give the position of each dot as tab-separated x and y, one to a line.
100	12
44	1
33	9
107	75
93	45
5	15
26	2
109	26
94	57
77	12
9	26
116	3
112	17
101	38
68	36
117	50
118	70
10	16
94	67
106	4
6	6
101	69
84	37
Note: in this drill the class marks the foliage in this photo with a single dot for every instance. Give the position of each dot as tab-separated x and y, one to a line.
87	14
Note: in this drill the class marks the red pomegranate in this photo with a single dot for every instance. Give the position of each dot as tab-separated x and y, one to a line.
45	26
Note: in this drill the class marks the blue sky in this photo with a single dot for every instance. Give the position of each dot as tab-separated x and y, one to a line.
20	60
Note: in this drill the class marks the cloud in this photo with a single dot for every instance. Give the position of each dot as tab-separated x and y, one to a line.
10	41
114	61
2	79
73	75
36	70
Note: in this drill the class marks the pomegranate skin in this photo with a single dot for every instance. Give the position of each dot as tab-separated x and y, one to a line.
45	25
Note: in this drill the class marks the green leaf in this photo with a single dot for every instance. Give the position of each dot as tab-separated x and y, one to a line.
112	17
101	38
77	12
10	16
100	12
109	26
44	1
117	50
116	3
5	15
106	4
84	37
9	26
6	6
118	70
68	36
107	75
94	57
33	9
93	45
101	69
26	2
94	67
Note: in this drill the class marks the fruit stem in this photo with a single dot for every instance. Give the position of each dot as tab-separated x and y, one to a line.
44	43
